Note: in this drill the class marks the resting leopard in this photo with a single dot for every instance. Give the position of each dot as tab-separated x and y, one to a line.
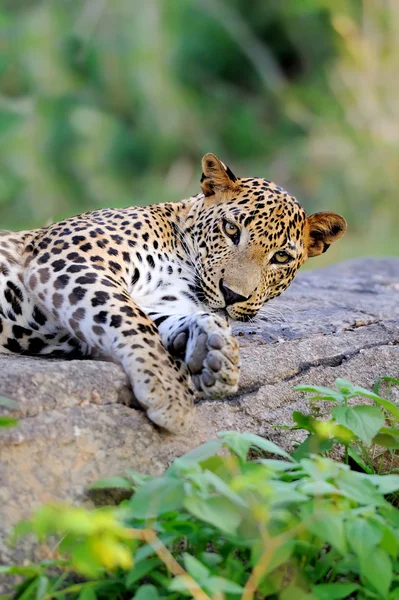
153	288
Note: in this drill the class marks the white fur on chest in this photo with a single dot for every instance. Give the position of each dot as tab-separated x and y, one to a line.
169	288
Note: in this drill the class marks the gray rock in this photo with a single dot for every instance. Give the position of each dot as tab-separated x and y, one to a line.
76	426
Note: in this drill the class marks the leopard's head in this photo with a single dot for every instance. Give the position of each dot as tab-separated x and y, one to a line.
250	237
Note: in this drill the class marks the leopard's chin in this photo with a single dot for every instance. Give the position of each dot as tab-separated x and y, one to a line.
235	315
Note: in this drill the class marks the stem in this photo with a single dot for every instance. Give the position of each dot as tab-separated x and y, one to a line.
76	587
262	565
258	572
60	580
366	456
149	536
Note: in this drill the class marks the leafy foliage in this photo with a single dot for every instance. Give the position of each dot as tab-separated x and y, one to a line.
368	433
218	526
6	421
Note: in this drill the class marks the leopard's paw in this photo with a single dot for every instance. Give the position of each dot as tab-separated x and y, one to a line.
212	356
167	400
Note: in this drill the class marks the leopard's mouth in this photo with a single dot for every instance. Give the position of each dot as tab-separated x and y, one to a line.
209	297
244	318
236	315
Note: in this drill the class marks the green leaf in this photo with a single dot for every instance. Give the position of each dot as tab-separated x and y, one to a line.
28	571
361	391
140	570
360	487
318	488
201	453
362	536
389	541
364	421
312	445
84	560
235	442
147	550
220	585
376	568
231	438
217	511
329	528
220	486
344	386
42	587
195	568
179	584
146	592
293	592
8	422
390	431
157	497
27	594
386	483
376	387
321	468
386	440
387	404
87	593
321	393
138	478
283	492
354	454
218	466
393	595
334	591
277	465
280	556
211	558
112	482
304	421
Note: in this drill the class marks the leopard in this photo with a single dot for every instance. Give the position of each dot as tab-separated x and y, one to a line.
157	288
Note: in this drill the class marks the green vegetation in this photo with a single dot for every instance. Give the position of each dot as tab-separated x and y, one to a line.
368	433
218	526
6	421
114	103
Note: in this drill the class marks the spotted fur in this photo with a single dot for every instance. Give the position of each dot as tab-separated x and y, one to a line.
153	287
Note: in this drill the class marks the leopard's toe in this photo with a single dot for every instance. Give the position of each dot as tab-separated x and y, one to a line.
214	360
220	373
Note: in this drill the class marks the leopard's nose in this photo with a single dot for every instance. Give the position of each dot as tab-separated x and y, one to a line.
229	296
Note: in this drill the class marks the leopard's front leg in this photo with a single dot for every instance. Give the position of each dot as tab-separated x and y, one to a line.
96	309
206	344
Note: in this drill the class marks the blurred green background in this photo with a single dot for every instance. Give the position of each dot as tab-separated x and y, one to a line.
114	102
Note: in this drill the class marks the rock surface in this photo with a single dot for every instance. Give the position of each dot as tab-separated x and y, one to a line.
75	426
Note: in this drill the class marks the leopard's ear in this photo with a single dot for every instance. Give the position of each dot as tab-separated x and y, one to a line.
216	176
323	229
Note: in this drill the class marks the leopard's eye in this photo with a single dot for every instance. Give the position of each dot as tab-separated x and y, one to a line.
232	231
281	257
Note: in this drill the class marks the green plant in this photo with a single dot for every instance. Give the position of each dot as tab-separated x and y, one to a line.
218	526
6	421
367	432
